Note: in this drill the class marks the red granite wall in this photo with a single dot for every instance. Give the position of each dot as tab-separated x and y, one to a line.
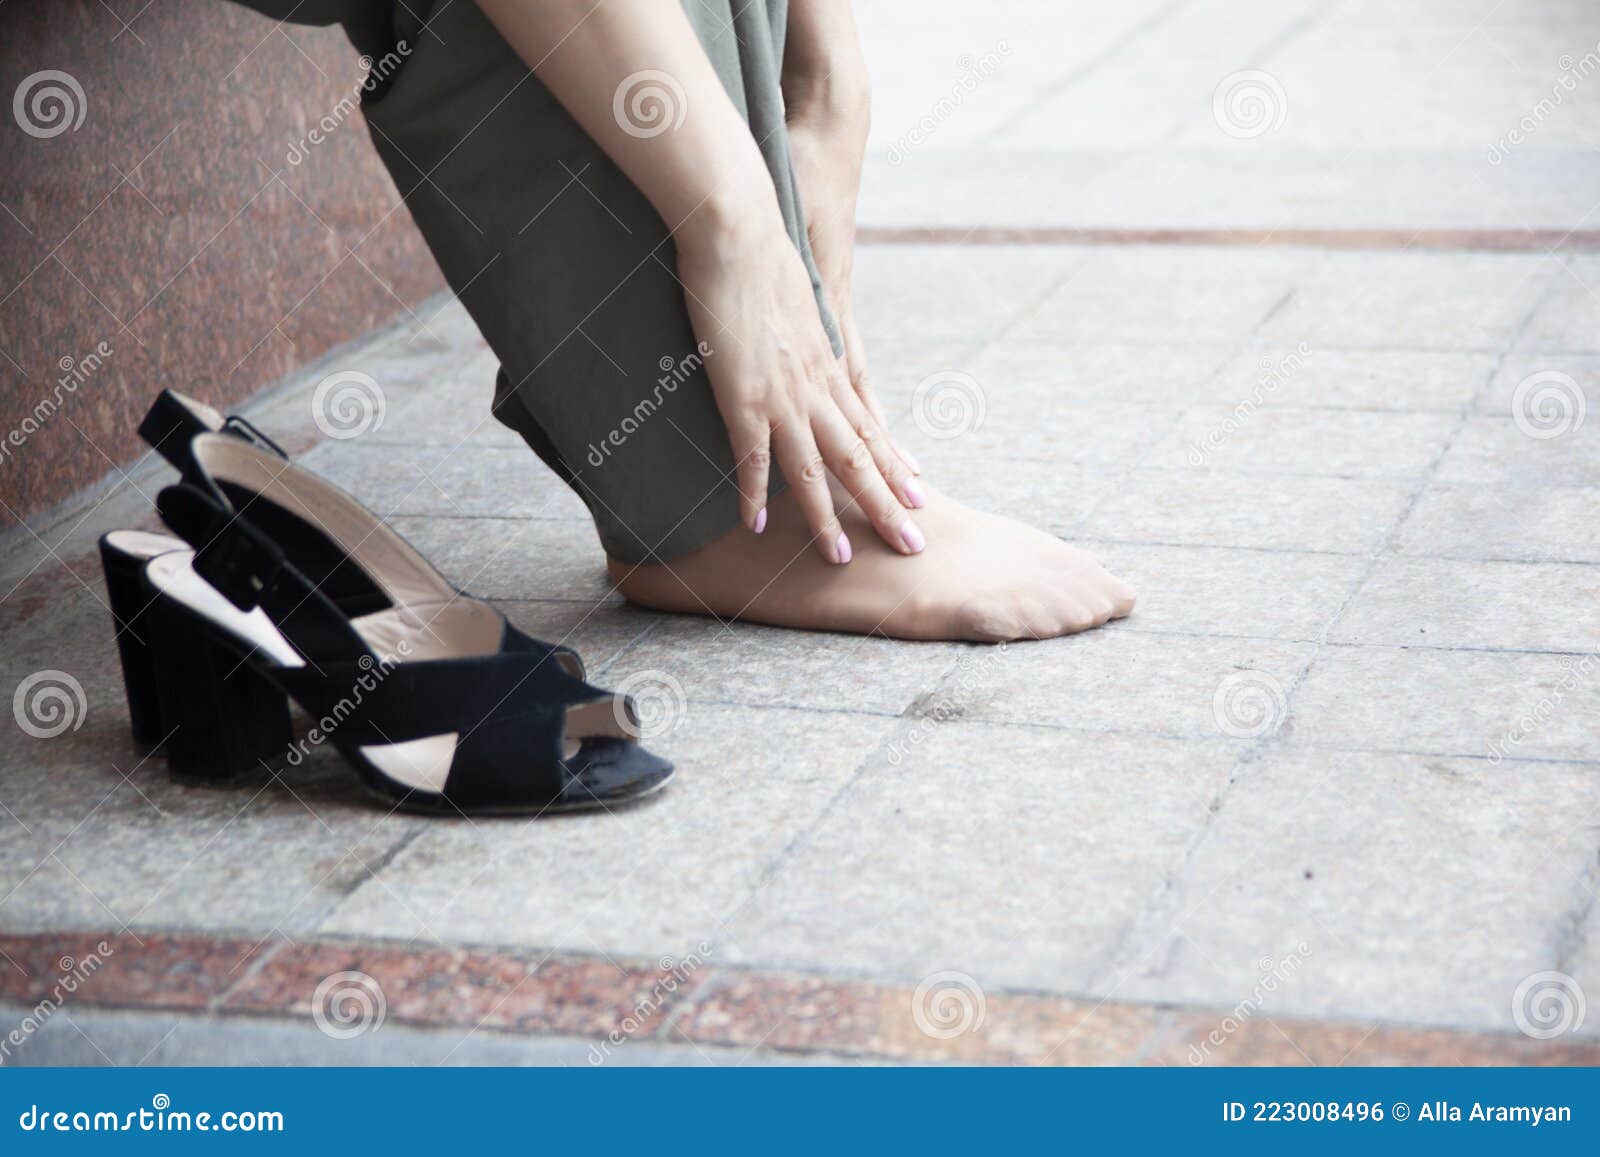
159	234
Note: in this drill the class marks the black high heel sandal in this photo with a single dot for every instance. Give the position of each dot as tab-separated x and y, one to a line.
170	427
423	699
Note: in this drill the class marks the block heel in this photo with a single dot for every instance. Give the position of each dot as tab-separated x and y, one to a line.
227	725
123	555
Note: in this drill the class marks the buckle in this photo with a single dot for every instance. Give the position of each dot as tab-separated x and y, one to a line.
246	429
239	562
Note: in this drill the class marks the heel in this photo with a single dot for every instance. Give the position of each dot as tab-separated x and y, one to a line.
130	598
228	724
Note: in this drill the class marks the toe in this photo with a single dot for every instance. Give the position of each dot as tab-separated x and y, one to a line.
1078	616
1122	597
1077	556
1110	596
1040	620
1103	609
988	619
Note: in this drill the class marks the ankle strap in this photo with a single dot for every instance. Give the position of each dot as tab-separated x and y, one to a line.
229	553
174	419
251	570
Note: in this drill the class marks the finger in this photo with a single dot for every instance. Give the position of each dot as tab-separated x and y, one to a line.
752	454
808	480
869	399
855	354
852	464
890	465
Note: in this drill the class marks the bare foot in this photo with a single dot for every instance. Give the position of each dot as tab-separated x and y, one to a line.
981	577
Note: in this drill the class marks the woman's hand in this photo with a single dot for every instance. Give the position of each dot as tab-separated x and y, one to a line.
778	386
781	391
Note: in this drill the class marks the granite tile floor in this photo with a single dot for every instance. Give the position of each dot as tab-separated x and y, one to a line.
1331	795
1354	723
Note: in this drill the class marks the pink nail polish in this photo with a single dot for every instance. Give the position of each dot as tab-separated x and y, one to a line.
761	520
915	494
843	549
911	535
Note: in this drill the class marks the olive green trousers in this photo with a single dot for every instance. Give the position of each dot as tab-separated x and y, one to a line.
566	268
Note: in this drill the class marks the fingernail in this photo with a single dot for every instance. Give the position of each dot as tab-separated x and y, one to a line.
915	494
911	535
910	461
761	520
842	548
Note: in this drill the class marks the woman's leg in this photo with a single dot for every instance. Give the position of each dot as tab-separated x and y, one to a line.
980	576
568	271
571	273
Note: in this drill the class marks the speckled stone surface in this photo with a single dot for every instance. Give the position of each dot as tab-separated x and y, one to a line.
1487	605
1120	680
1214	508
1064	836
1224	591
637	880
1417	888
1524	524
172	226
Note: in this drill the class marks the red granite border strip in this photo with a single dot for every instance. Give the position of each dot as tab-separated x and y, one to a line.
1188	1040
565	993
688	1001
1488	240
945	1025
153	971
